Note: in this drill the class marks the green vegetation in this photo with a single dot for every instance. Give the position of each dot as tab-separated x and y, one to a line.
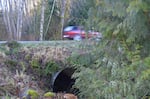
117	68
35	63
49	94
51	67
33	94
11	64
121	68
13	46
45	69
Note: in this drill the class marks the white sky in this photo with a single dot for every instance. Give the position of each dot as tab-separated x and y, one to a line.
0	4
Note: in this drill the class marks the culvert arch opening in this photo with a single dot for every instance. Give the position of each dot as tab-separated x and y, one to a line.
62	81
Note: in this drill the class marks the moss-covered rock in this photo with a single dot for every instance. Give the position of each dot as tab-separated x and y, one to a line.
49	94
33	94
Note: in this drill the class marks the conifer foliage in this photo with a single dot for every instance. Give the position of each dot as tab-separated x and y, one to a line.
122	66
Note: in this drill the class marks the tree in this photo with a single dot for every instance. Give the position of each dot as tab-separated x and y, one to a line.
6	17
50	16
79	12
42	20
56	14
11	9
122	65
17	16
64	13
26	19
21	4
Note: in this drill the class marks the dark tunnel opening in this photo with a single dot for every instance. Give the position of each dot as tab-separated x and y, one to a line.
62	81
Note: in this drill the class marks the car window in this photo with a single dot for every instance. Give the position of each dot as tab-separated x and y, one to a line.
75	28
68	28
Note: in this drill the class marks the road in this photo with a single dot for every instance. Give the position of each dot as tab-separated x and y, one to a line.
37	42
64	43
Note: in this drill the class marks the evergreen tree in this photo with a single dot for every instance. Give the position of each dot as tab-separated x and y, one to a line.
79	12
122	66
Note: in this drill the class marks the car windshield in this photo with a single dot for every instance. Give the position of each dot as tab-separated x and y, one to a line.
69	28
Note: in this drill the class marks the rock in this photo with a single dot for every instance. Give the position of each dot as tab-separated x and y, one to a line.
70	96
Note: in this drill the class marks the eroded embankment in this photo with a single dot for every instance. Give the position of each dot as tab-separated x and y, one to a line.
31	66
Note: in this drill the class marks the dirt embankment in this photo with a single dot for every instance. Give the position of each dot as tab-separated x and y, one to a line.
30	68
24	68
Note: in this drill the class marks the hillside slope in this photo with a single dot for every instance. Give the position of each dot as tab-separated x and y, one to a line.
31	65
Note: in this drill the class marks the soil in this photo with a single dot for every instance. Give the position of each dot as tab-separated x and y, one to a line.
18	72
24	68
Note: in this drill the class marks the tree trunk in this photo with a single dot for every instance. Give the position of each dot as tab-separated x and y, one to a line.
12	17
19	19
6	17
50	17
42	20
63	9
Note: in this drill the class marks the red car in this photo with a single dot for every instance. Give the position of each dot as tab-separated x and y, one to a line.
78	33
